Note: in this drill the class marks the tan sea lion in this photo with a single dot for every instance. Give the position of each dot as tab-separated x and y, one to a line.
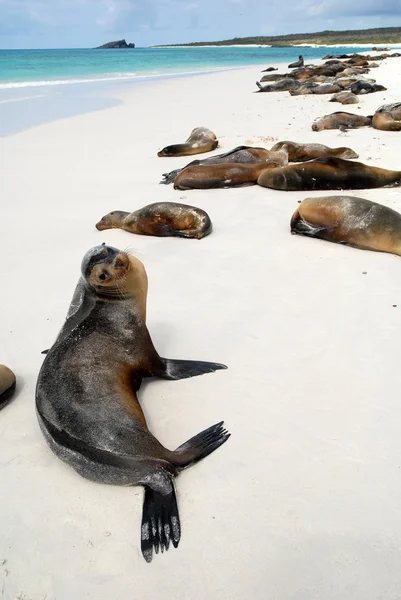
7	385
328	174
388	117
303	152
201	140
341	119
241	154
220	176
345	98
161	219
349	220
86	394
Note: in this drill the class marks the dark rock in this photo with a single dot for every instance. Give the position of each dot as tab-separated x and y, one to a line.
118	44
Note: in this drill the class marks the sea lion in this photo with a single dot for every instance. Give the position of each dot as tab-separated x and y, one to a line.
303	152
269	69
328	174
363	87
324	88
283	85
345	98
205	177
241	154
388	117
86	394
200	140
298	63
7	385
161	219
349	220
341	119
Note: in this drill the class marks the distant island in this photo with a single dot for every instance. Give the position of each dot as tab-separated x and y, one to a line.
381	35
118	44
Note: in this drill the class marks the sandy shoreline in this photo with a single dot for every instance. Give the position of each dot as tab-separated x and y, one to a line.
303	500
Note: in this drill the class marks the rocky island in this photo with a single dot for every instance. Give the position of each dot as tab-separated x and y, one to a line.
118	44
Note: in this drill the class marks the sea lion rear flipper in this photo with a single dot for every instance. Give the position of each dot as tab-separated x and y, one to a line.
45	351
171	368
160	522
169	177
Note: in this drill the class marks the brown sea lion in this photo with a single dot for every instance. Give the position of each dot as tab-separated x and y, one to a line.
345	98
283	85
325	88
86	394
388	117
349	220
298	63
341	119
7	385
201	140
303	152
161	219
241	154
328	174
220	176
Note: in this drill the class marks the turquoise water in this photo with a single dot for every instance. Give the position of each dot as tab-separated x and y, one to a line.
31	68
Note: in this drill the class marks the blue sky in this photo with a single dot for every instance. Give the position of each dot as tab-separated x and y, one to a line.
87	23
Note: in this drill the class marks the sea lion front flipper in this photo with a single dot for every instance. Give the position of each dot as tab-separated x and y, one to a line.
160	522
171	368
81	305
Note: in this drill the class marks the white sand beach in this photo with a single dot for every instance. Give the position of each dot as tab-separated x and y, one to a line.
303	502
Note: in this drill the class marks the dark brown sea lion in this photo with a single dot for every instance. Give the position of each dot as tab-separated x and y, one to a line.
86	394
7	385
303	152
298	63
205	177
345	98
269	69
363	87
388	117
341	119
161	219
201	140
241	154
328	174
348	220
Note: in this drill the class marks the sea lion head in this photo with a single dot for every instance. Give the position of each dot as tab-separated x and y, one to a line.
111	220
170	150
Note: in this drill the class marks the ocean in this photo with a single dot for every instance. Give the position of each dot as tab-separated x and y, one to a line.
38	86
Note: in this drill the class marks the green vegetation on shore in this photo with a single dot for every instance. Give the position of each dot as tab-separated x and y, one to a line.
381	35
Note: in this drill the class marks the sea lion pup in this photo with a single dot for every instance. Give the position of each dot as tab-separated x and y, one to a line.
205	177
345	98
283	85
328	174
201	140
348	220
303	152
363	87
341	119
388	117
269	69
86	394
7	385
241	154
298	63
161	219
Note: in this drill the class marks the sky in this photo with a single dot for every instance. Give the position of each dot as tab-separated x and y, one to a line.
88	23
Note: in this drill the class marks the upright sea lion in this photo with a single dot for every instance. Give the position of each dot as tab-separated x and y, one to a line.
341	119
241	154
298	63
220	176
201	140
7	385
388	117
303	152
349	220
363	87
86	394
161	219
328	174
345	98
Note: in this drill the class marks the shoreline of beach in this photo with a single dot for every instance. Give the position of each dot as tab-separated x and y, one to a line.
309	481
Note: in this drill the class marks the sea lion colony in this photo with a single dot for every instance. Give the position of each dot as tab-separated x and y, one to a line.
110	298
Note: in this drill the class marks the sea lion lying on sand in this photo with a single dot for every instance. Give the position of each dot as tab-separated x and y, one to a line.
341	119
7	385
345	98
325	88
388	117
363	87
269	69
241	154
201	140
283	85
204	177
349	220
304	152
161	219
328	174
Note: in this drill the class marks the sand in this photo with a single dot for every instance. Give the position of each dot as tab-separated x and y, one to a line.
303	501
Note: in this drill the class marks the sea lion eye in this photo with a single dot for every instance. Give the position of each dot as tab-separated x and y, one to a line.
102	276
118	263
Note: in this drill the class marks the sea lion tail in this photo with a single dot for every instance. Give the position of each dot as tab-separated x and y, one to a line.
160	522
199	446
171	368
